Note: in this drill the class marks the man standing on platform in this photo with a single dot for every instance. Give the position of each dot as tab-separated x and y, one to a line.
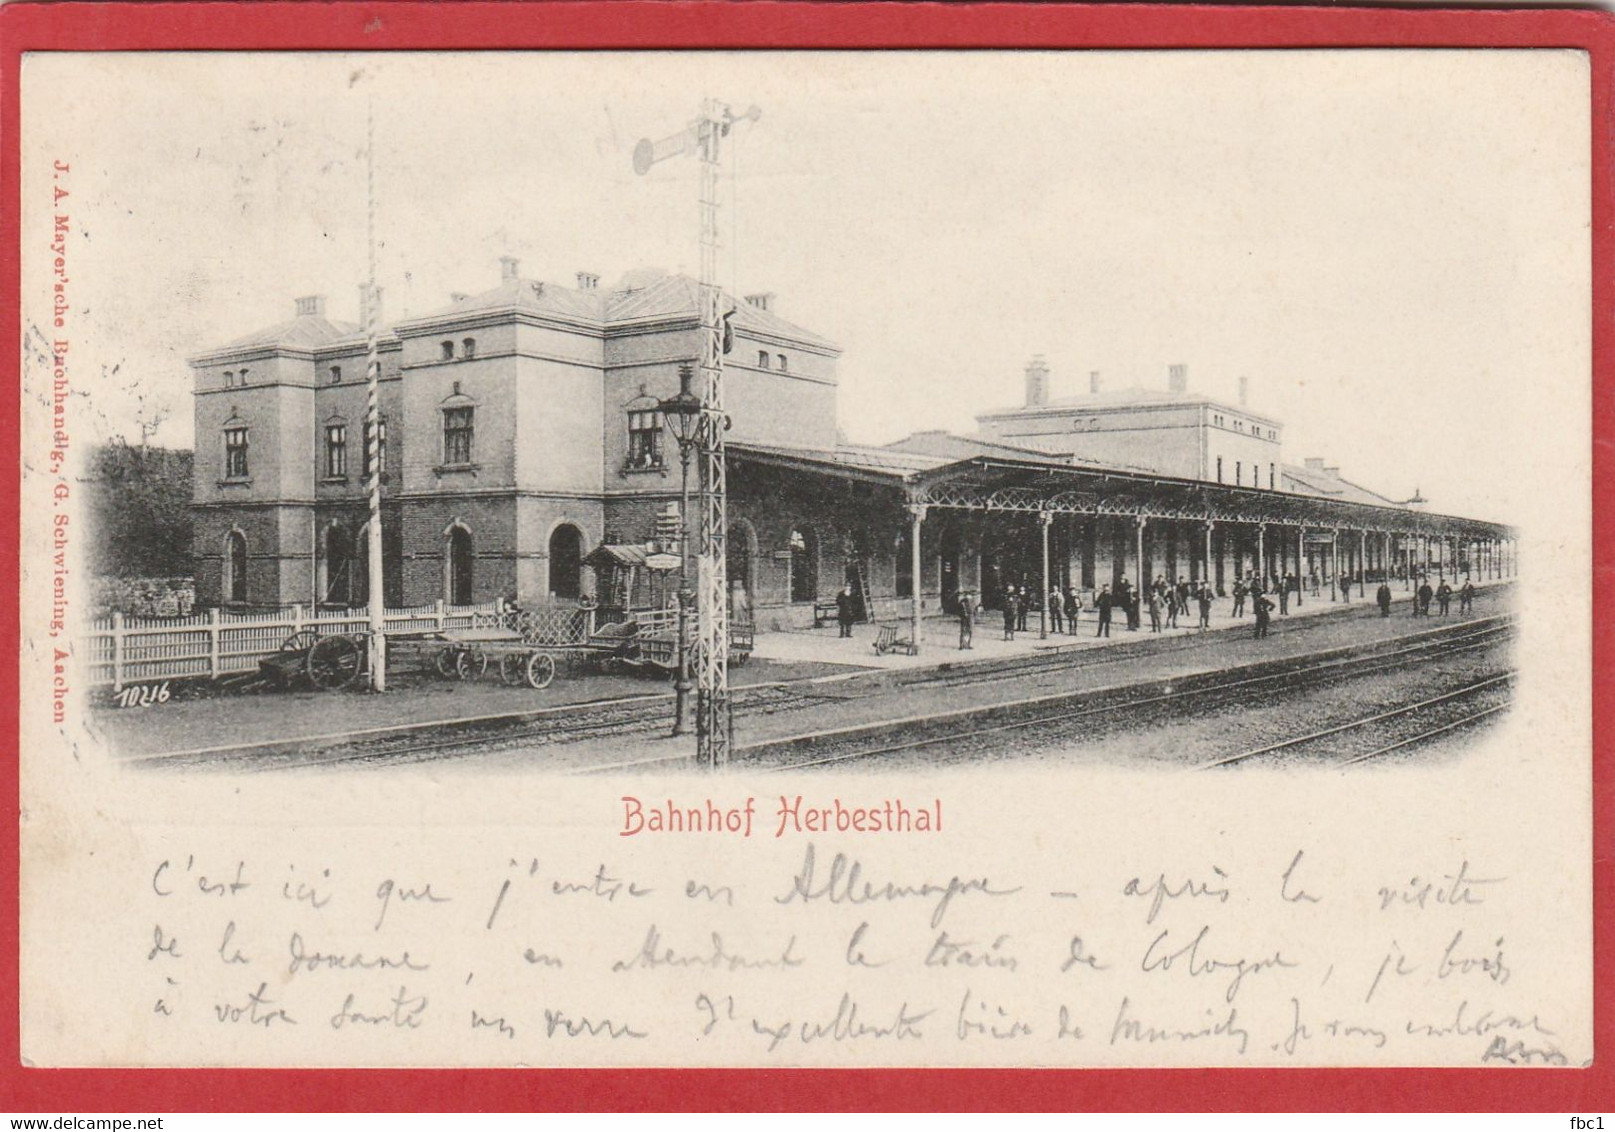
1103	603
1284	596
1073	606
967	620
1264	614
844	610
1239	597
1444	597
1425	594
1466	597
1383	596
1054	609
1204	598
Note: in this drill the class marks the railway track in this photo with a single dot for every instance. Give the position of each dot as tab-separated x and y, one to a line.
1372	736
647	715
971	726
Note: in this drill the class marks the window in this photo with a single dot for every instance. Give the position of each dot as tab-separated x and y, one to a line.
1219	469
566	561
448	351
235	453
458	426
468	348
1239	473
336	374
336	451
229	379
762	359
381	448
784	366
645	439
235	566
1270	477
241	378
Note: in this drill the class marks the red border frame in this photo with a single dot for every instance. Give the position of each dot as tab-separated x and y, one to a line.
702	24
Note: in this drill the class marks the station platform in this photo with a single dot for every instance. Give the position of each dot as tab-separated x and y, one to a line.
819	660
940	641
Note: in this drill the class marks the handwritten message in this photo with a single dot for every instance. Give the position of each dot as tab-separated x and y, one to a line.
832	950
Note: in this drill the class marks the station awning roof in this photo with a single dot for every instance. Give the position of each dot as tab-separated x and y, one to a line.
1032	484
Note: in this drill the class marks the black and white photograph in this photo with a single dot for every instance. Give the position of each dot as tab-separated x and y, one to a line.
485	496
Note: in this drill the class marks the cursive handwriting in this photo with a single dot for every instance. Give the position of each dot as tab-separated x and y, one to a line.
845	885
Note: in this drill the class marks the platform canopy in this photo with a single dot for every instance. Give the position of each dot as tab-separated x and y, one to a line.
1030	484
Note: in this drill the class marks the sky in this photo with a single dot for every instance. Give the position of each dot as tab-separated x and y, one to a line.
1391	246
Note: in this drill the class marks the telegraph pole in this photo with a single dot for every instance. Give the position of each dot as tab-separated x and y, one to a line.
372	421
713	717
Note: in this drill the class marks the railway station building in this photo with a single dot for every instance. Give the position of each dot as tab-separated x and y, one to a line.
523	457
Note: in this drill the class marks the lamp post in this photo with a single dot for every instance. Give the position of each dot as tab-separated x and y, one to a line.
682	413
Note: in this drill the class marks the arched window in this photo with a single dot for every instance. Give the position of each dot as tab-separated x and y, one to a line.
566	561
804	566
468	348
448	350
235	566
458	559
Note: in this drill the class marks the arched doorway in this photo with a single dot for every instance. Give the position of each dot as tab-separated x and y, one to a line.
235	566
458	559
338	585
739	559
566	562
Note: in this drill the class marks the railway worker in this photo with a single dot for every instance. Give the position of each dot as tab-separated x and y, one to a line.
1263	609
1009	613
1466	597
1383	596
1169	598
1204	598
1239	596
1023	603
1444	596
1054	607
1425	594
967	620
844	609
1103	603
1073	607
1155	610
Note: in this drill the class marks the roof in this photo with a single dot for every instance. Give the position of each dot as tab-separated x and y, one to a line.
305	332
643	296
1121	399
1312	481
614	554
861	458
939	443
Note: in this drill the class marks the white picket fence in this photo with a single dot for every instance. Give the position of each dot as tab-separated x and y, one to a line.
120	651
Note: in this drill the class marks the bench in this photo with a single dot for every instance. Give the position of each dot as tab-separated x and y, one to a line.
824	612
887	640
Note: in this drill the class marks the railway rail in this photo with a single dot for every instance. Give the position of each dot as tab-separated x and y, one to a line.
645	715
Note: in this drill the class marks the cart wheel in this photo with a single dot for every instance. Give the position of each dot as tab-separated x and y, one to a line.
539	669
333	662
445	661
300	641
510	669
470	663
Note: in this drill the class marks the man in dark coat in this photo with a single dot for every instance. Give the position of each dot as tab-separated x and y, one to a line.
1009	613
1264	614
1103	603
844	610
1444	597
967	620
1239	597
1425	594
1073	606
1204	598
1284	596
1466	597
1023	602
1383	596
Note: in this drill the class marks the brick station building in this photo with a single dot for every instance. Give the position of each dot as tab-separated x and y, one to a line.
523	457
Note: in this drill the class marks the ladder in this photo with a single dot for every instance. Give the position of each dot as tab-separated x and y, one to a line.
860	588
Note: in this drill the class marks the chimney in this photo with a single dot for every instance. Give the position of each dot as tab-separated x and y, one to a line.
367	304
509	268
1334	471
1177	378
763	300
311	305
587	281
1037	382
1244	390
1314	463
1093	381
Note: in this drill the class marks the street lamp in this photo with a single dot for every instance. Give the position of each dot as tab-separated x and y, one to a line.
683	416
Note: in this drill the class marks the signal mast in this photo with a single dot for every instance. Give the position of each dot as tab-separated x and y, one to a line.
713	718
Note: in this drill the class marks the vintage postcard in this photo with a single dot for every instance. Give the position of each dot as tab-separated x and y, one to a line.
927	558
